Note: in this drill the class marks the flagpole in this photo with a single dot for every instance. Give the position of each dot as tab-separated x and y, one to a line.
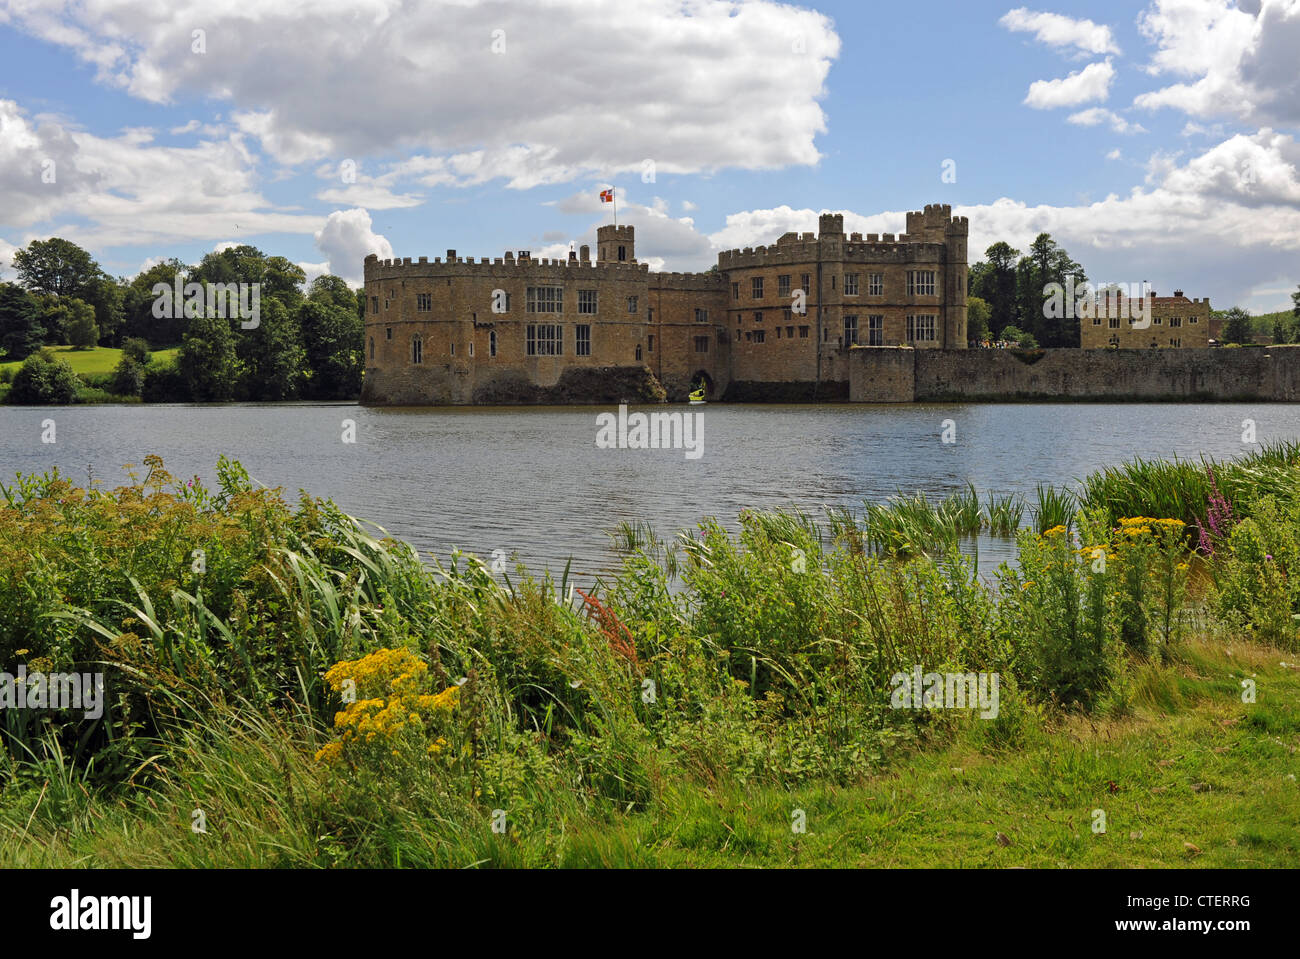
614	193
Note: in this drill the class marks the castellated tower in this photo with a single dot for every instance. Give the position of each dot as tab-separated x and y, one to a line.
615	244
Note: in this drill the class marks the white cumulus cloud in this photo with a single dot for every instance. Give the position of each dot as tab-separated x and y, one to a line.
1061	32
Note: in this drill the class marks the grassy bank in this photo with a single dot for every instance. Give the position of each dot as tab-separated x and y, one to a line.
309	694
101	359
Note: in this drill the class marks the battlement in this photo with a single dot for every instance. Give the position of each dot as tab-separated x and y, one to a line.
616	232
935	223
701	282
401	268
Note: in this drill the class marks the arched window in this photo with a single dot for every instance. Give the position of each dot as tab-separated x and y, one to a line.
417	349
638	352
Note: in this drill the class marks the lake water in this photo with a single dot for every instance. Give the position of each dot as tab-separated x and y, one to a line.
531	481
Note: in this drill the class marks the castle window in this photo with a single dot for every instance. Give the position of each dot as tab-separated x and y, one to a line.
786	314
735	291
920	283
756	288
1096	320
832	282
803	332
471	347
544	339
374	304
920	329
545	299
804	282
582	339
650	343
423	302
760	336
783	285
850	330
758	316
1191	319
631	305
372	347
587	301
850	284
701	344
453	349
638	352
778	332
875	330
789	332
417	349
388	331
1114	340
875	284
1175	321
492	342
1158	321
622	253
1113	322
701	316
1175	341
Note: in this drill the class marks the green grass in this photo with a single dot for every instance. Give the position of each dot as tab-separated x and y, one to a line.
102	359
1188	776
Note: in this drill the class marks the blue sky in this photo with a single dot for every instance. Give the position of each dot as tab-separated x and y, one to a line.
1154	140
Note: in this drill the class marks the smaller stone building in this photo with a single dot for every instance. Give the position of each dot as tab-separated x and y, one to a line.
1118	322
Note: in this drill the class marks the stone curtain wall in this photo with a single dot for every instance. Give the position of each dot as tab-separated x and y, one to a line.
1253	374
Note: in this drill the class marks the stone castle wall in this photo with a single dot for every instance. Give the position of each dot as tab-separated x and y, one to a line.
902	375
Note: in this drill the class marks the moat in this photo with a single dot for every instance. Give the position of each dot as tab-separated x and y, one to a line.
533	481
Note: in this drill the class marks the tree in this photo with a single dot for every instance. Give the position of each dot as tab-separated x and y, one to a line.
1048	263
128	377
207	360
1295	298
138	304
334	339
274	361
1237	326
43	380
995	282
137	349
977	318
56	266
332	290
107	297
1281	333
83	334
21	332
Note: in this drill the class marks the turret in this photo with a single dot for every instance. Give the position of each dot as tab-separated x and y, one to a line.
615	244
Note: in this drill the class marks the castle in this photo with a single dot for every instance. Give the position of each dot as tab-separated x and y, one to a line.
772	322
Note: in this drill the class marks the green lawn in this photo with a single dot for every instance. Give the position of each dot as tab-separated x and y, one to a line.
102	359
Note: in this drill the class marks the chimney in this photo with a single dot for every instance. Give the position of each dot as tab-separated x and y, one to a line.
1178	293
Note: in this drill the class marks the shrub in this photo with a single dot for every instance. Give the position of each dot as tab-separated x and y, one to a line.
43	380
128	377
1257	575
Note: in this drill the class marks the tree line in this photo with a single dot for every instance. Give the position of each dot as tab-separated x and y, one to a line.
307	343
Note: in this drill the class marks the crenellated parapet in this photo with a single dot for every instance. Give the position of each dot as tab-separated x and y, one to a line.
510	267
691	282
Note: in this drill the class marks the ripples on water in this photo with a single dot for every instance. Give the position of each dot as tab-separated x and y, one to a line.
531	480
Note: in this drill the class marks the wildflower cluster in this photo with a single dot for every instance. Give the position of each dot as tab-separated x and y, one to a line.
396	708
